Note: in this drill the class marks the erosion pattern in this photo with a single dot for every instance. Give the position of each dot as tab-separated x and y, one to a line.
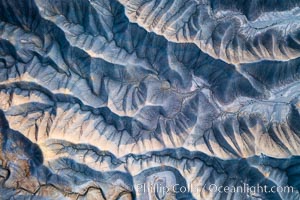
98	97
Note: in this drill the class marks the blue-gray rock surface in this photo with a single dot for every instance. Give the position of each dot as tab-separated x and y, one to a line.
99	97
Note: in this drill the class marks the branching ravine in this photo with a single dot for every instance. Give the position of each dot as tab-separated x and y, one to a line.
101	97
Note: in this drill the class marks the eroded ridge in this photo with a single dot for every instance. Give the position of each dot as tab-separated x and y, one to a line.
99	98
234	31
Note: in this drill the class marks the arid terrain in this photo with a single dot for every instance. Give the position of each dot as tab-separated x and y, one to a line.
103	99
